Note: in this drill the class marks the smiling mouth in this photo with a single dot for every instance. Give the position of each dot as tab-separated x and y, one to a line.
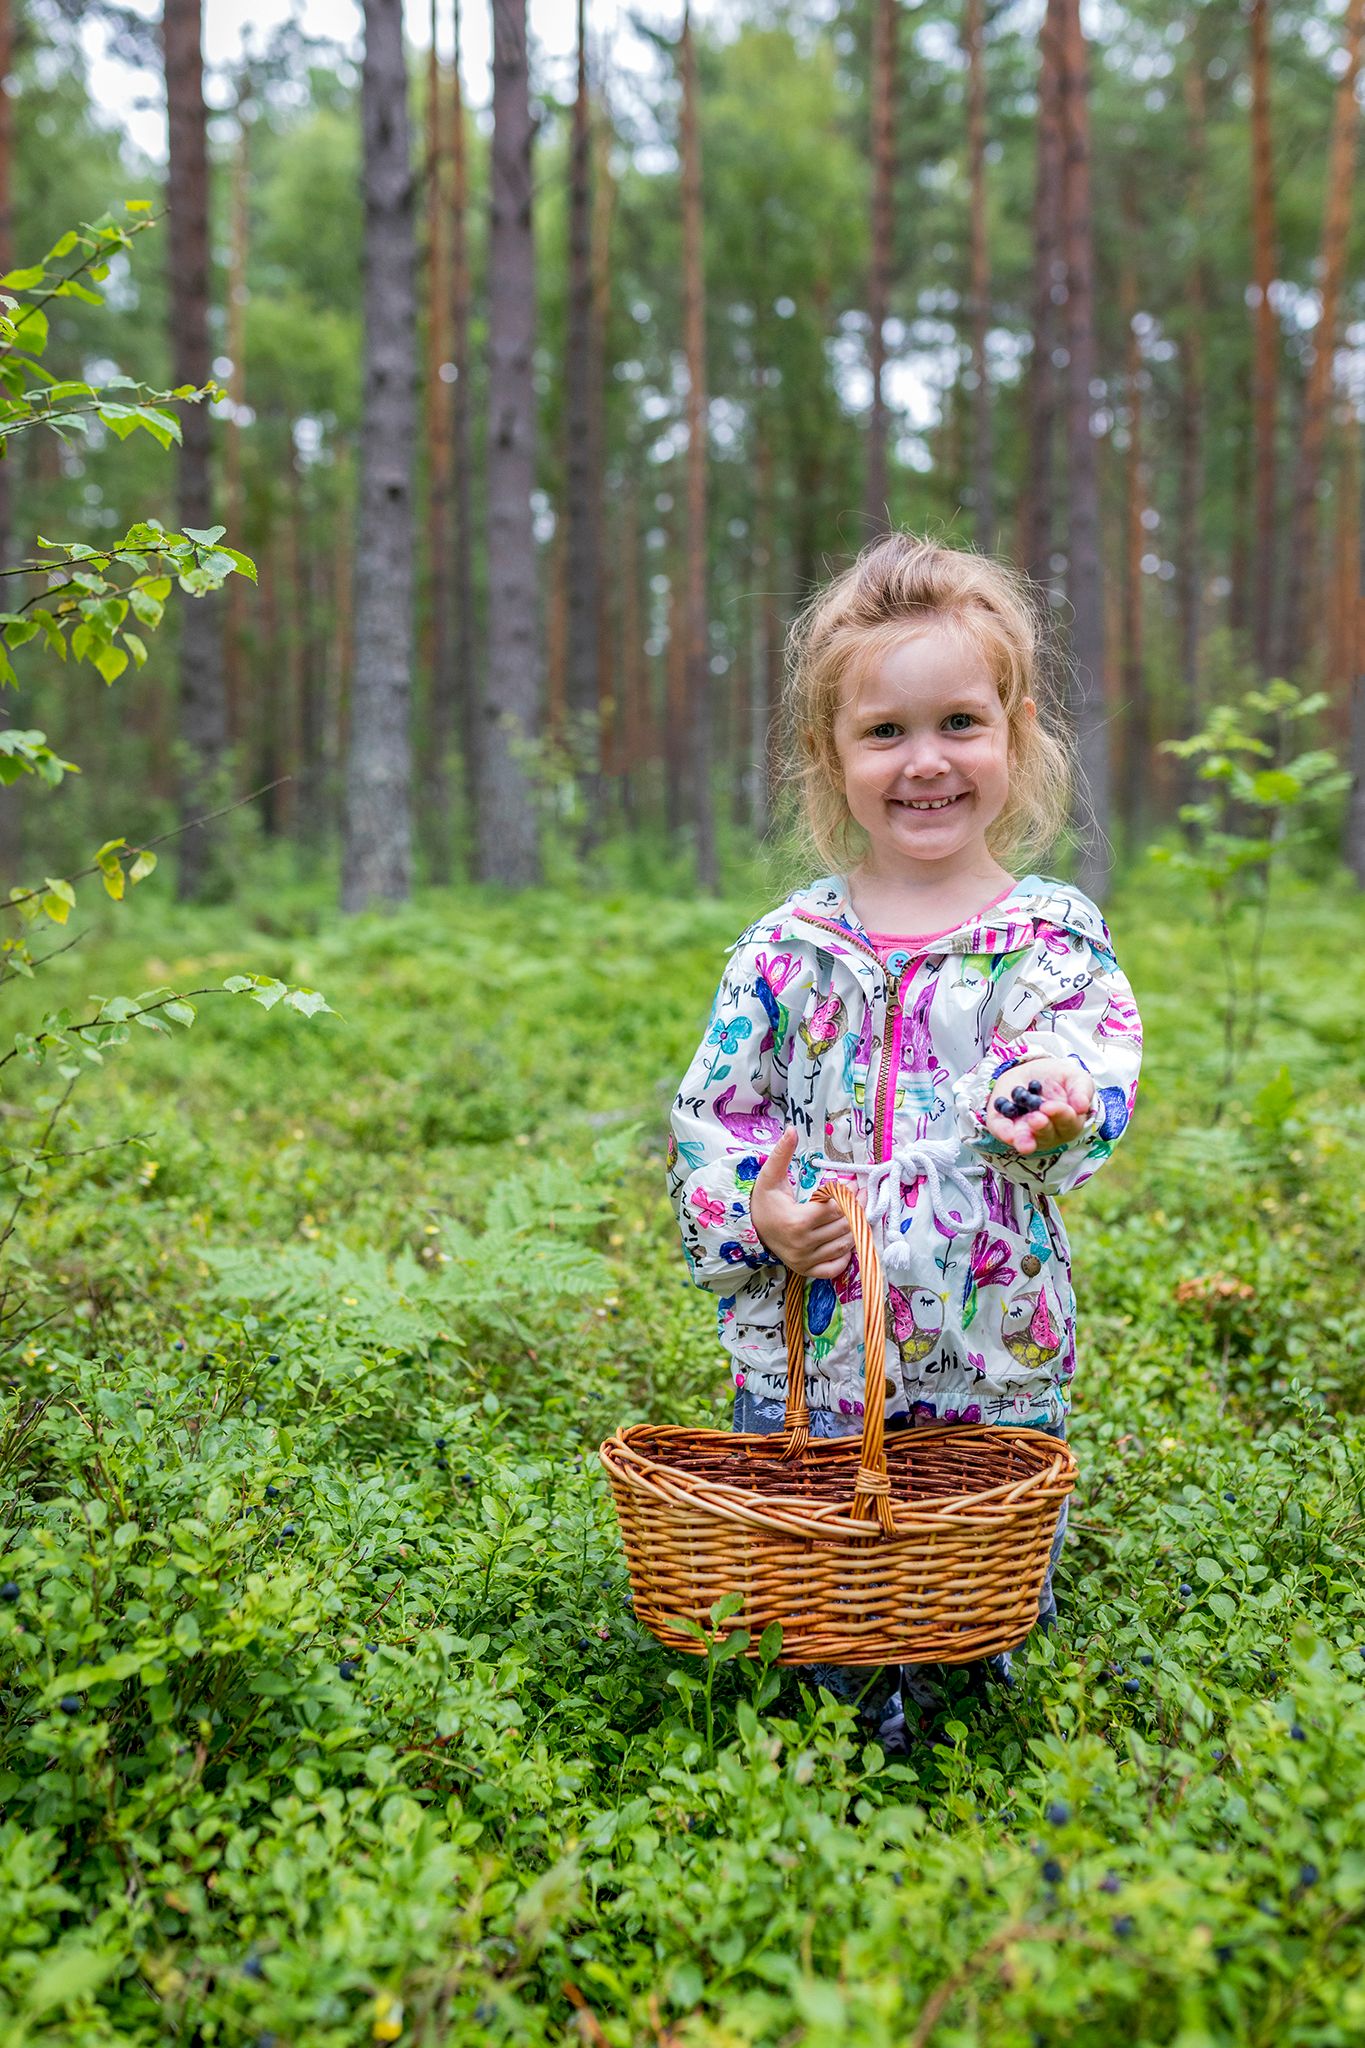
925	805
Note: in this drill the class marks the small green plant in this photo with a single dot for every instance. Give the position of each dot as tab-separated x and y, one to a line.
85	610
719	1648
1262	792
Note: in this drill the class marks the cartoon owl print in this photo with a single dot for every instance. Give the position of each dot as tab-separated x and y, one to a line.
916	1321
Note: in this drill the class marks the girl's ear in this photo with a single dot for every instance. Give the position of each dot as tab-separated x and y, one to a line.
1030	707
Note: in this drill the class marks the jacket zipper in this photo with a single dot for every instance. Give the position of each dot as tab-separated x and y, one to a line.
891	1047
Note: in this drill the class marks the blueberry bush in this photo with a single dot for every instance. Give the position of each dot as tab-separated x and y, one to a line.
325	1718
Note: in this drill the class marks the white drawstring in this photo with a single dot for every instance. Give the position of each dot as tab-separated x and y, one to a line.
936	1161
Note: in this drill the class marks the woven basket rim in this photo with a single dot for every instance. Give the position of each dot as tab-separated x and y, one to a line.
624	1456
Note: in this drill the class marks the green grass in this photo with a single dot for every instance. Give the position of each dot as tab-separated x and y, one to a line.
220	1480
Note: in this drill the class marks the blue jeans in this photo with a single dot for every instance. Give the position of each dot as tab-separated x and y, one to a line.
873	1689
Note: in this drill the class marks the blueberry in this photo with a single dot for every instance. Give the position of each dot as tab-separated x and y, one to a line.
9	1592
1224	1952
253	1966
1269	1908
1185	1591
290	1529
1058	1813
1019	1097
442	1465
1218	1755
1052	1870
1035	1088
179	1344
1144	1657
440	1443
274	1358
1124	1926
1109	1882
371	1647
348	1667
272	1493
1231	1499
1132	1685
1296	1734
1006	1107
1308	1874
70	1703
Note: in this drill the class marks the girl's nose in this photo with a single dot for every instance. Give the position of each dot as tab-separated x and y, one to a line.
924	758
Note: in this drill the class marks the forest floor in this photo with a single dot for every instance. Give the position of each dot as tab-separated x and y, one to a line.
325	1719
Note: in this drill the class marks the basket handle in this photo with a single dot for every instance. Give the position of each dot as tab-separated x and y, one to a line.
872	1489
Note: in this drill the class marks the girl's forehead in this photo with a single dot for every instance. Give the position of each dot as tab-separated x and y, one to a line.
933	662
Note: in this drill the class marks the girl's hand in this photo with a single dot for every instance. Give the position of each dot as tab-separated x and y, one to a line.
1061	1108
810	1238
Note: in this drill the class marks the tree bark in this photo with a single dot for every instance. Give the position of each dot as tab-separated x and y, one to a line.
465	666
698	665
1296	638
979	293
441	687
1355	808
1036	512
203	706
1190	418
876	490
582	478
508	841
1265	365
1085	587
377	849
235	625
11	799
769	623
1136	726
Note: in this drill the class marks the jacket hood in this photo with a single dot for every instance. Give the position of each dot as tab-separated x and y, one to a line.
1035	901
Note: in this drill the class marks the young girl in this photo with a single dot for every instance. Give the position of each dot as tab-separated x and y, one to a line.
960	1043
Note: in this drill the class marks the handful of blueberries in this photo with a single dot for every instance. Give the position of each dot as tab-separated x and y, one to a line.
1020	1101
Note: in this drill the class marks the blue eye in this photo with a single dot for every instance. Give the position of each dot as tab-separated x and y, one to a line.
885	730
959	720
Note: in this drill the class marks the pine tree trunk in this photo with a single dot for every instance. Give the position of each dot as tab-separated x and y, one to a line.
508	842
1354	849
1133	790
11	798
610	685
698	661
1190	417
468	695
1085	587
769	623
377	849
203	707
582	482
1296	637
979	295
1265	368
235	626
440	665
1037	519
876	490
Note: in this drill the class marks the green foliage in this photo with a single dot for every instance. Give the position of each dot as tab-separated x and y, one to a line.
1264	798
364	1735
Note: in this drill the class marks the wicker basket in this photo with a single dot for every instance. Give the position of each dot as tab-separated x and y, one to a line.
928	1549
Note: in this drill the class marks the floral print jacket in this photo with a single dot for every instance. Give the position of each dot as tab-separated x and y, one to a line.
885	1071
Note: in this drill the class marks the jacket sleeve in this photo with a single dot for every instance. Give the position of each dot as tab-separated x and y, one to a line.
726	1118
1068	999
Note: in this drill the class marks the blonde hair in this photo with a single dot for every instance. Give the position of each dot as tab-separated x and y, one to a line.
897	585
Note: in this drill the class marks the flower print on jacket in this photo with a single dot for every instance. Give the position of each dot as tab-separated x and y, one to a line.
983	1247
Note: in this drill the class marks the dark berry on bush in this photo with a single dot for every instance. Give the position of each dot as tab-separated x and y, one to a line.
1124	1926
372	1647
179	1344
1132	1685
1185	1591
1144	1657
1058	1813
442	1465
1308	1874
348	1667
1224	1952
9	1592
1218	1755
1109	1883
1052	1870
272	1493
274	1358
1296	1734
1117	1670
440	1443
289	1529
1231	1499
70	1703
253	1967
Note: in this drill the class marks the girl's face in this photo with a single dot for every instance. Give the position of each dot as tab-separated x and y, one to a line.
924	747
